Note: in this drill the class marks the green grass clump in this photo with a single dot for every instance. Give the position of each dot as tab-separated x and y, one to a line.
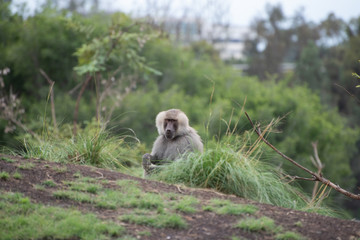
221	206
60	169
73	195
146	201
48	183
144	233
132	199
26	165
39	187
4	175
21	219
232	172
92	146
127	184
163	220
186	204
257	224
299	224
6	159
17	175
83	186
289	236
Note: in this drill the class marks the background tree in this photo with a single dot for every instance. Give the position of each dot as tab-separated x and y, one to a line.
311	71
267	50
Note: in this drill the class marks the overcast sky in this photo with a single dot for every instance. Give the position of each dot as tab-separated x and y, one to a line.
241	12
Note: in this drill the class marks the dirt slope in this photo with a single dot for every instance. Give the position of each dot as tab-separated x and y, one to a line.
201	224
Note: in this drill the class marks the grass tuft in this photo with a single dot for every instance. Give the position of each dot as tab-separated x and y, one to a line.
92	146
289	236
26	165
72	195
221	206
48	183
4	175
17	175
83	186
299	224
187	204
233	172
6	159
165	220
257	225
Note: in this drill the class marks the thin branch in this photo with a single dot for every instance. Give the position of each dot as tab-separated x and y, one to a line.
18	123
51	83
75	89
316	176
97	89
318	164
280	153
76	111
351	95
301	178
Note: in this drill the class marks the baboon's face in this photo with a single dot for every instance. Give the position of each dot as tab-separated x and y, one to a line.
170	128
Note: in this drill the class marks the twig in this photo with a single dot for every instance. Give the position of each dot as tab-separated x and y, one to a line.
179	189
74	89
76	111
318	164
51	82
301	178
100	173
97	89
351	95
18	123
316	177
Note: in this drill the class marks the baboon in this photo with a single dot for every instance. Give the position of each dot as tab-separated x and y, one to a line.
175	138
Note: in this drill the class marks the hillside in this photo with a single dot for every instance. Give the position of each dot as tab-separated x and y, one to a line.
136	208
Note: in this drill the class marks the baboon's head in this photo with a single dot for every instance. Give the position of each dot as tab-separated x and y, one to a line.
172	123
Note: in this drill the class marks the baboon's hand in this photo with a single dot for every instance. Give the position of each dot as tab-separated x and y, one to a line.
148	167
146	163
146	159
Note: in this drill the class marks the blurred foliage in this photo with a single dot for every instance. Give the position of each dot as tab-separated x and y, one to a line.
310	70
139	72
119	47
